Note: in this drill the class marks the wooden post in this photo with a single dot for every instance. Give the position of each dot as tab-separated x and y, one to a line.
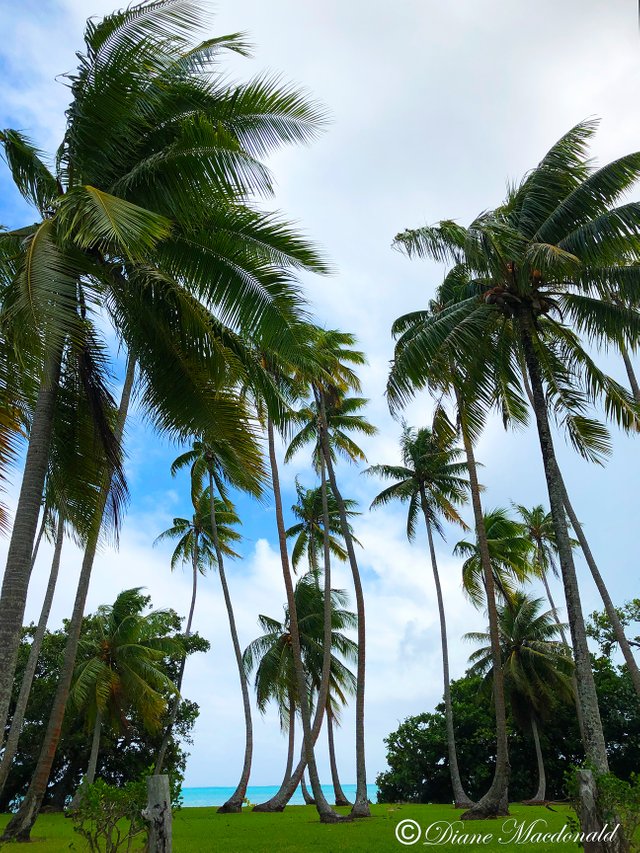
158	814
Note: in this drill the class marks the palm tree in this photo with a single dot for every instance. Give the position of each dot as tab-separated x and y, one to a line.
326	423
431	480
537	667
510	551
194	547
271	657
442	379
239	463
540	530
309	530
540	271
157	150
120	669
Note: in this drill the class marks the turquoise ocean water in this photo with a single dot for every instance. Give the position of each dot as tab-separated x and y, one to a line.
259	793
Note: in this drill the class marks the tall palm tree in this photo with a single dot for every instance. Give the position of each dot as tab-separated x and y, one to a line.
541	268
326	423
271	657
540	530
194	547
240	464
431	481
537	667
466	388
120	669
309	530
157	149
510	551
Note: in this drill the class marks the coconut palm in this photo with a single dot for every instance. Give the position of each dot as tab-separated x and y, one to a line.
120	669
431	481
326	423
195	547
240	463
466	388
511	555
537	667
271	657
309	530
542	267
158	148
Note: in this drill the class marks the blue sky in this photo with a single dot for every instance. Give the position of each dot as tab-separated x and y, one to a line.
434	106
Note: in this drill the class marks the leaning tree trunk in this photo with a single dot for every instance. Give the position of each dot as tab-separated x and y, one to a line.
277	803
20	825
187	633
460	797
609	607
594	744
554	610
32	662
631	374
90	776
306	796
15	584
361	804
495	802
291	741
541	793
235	801
340	796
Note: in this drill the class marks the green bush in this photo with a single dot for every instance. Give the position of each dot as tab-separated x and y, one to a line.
109	816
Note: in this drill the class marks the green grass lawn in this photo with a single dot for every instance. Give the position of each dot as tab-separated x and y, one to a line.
297	830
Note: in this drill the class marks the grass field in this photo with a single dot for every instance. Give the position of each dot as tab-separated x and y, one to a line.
297	830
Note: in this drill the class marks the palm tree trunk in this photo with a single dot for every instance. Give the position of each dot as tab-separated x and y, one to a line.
611	611
540	794
594	744
20	825
291	741
340	796
277	803
495	802
17	573
306	796
633	381
563	634
460	797
95	749
32	662
187	633
361	804
235	801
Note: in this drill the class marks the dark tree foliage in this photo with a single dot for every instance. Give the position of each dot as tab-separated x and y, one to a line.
124	756
417	750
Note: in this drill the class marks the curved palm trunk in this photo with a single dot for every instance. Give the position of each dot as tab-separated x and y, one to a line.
593	735
20	825
278	802
235	801
291	741
361	804
609	607
340	796
306	796
95	749
460	797
17	573
540	794
495	802
32	662
633	381
187	633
